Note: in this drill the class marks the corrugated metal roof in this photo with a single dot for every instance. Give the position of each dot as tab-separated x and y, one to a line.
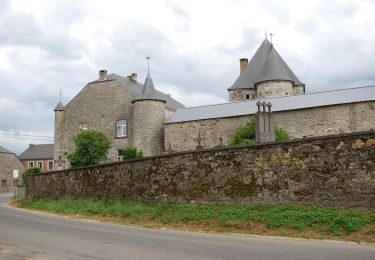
318	99
37	151
266	64
4	150
136	89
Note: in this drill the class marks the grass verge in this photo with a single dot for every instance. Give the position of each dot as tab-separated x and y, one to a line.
278	220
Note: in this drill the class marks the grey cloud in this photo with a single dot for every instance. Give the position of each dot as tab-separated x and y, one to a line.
184	18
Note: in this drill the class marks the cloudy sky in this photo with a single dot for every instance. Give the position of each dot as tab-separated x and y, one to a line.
47	45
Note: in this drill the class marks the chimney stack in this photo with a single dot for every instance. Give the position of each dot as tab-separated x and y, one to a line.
102	74
133	76
243	64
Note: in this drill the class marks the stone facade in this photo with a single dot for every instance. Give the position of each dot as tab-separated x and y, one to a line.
274	88
325	171
319	121
8	163
241	94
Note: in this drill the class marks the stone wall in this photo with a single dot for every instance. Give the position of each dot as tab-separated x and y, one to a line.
8	163
274	88
240	94
319	121
334	171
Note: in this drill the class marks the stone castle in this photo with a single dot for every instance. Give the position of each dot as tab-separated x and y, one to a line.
138	115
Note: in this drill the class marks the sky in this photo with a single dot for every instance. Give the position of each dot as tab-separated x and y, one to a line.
194	45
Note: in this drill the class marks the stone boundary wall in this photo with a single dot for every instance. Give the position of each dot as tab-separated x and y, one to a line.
334	170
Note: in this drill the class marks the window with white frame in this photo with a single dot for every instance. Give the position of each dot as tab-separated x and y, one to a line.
119	155
40	164
121	128
30	164
84	126
50	165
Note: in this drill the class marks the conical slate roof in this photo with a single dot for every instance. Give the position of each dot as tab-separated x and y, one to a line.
59	107
266	64
149	92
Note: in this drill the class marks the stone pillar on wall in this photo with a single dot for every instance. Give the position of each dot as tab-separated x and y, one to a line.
265	127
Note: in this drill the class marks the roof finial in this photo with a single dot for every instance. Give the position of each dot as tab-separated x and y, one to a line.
265	32
271	34
60	94
148	63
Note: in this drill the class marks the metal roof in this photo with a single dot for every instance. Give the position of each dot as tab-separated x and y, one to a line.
37	151
149	92
266	64
327	98
136	88
4	150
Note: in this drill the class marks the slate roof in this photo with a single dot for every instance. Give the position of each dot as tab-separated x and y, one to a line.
149	92
37	152
59	107
318	99
4	150
136	88
266	64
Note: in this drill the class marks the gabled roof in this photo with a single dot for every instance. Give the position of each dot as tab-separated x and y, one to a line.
37	151
266	64
4	150
149	92
327	98
136	88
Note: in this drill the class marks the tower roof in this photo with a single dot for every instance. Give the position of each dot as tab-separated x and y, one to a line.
149	92
59	107
266	64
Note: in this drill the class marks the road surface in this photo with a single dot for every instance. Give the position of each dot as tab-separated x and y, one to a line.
31	235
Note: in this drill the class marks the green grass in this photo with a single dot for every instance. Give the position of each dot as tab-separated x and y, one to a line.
331	221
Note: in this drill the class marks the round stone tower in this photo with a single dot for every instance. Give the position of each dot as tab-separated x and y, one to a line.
148	120
59	161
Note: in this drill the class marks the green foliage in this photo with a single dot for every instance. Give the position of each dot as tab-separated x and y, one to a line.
333	221
131	153
91	148
246	134
28	171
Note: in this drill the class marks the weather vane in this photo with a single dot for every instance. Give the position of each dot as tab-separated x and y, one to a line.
60	94
265	32
271	34
148	62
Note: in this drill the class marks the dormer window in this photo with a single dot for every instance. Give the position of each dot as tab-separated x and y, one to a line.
83	126
121	128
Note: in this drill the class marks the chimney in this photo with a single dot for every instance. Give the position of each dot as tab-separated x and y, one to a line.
243	64
102	74
133	76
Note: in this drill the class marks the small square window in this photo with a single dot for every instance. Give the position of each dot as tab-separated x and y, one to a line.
121	128
50	165
84	126
247	96
119	155
30	165
40	165
3	183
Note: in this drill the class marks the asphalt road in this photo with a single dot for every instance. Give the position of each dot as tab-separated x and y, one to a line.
31	235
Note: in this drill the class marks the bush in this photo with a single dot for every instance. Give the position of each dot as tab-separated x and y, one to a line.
246	134
91	148
130	153
29	171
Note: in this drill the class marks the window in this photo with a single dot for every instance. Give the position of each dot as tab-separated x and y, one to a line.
119	155
121	128
3	183
83	126
40	165
30	164
50	165
247	96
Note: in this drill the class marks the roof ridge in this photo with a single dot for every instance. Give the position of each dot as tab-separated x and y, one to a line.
303	94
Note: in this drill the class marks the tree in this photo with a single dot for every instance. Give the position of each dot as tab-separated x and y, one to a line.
91	148
29	171
131	153
246	134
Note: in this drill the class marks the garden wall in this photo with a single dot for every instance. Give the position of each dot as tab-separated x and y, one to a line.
333	171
